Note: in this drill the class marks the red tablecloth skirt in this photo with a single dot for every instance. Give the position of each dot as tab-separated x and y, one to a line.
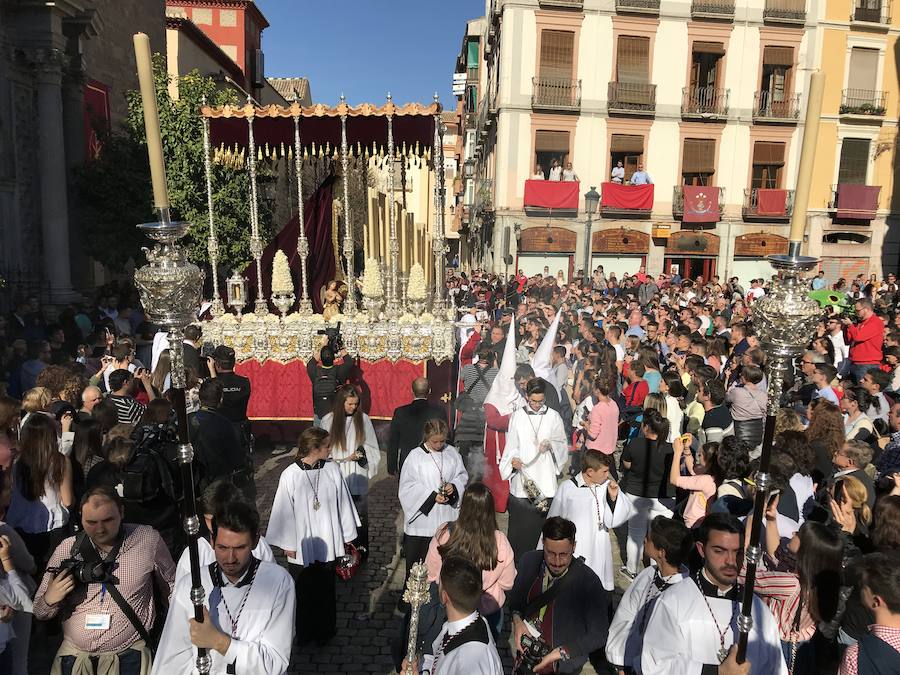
632	197
552	194
282	391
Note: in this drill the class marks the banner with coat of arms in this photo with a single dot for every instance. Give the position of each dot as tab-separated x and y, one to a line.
701	204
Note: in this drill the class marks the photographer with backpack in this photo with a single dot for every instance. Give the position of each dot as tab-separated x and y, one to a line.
326	376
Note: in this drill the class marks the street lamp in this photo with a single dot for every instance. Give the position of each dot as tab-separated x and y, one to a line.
591	202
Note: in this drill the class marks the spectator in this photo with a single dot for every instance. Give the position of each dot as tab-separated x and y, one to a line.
90	397
618	173
701	480
326	377
641	177
128	409
822	376
10	409
603	423
555	171
875	382
865	338
851	461
475	536
141	560
747	404
857	425
568	173
538	173
880	582
476	379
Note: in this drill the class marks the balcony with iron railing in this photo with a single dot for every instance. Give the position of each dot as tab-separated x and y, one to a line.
765	109
678	200
863	102
712	9
638	6
871	12
768	204
552	93
632	98
785	11
704	102
854	202
562	4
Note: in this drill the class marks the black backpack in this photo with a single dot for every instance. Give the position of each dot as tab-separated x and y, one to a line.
147	477
325	384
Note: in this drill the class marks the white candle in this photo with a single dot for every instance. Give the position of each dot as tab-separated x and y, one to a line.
151	120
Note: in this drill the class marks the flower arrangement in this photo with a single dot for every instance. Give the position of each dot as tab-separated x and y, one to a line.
282	283
371	285
415	288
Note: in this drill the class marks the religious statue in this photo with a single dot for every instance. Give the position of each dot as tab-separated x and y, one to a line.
333	296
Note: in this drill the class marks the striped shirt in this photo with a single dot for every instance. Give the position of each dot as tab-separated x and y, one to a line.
128	410
850	664
142	557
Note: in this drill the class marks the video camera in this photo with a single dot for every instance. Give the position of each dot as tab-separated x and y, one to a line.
335	341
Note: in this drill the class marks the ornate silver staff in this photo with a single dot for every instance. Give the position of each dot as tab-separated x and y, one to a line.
416	594
171	288
786	318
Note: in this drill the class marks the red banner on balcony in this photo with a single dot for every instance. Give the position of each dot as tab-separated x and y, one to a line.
770	202
627	197
701	204
552	194
857	202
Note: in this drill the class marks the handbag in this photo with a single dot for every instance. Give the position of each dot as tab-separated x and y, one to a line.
465	402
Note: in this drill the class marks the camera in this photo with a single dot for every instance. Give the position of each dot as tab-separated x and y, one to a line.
333	335
533	652
86	572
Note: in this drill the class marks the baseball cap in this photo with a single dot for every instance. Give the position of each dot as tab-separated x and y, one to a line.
223	353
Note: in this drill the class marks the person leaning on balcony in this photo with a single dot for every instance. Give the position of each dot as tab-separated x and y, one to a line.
555	171
538	173
618	173
641	177
568	173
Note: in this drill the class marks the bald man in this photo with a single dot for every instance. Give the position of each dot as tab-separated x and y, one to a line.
409	421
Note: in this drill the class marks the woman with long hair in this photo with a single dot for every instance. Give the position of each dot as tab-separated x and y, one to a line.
857	424
648	355
825	347
475	537
825	435
646	460
87	451
161	379
700	479
354	448
10	409
42	491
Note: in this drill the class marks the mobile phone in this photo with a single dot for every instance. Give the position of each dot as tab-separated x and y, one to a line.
840	494
773	495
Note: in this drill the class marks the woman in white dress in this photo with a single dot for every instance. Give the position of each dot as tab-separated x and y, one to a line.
354	448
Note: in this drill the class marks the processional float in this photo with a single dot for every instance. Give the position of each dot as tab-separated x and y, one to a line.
401	316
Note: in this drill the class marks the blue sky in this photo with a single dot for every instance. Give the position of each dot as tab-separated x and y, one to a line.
366	48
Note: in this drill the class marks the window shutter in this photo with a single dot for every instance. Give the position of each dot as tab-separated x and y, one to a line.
765	152
863	69
472	54
633	59
557	51
627	144
709	48
854	161
551	141
778	56
699	156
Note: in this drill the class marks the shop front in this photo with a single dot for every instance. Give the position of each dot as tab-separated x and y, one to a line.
750	253
692	254
620	250
550	247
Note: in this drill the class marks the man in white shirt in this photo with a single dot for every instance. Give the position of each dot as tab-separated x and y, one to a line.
756	290
248	613
568	173
641	177
618	173
836	335
555	171
465	645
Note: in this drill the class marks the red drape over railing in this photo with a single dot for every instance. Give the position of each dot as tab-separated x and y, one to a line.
627	197
552	194
701	204
771	202
857	202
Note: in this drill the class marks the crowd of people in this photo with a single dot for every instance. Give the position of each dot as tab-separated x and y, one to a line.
610	419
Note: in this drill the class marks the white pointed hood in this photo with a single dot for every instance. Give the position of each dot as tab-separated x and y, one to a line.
541	360
502	393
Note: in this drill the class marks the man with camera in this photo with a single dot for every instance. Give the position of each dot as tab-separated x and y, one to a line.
101	585
326	377
248	615
559	608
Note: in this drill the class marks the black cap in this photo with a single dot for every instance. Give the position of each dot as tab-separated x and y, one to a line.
223	353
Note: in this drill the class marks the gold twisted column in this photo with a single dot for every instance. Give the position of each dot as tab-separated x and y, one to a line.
212	244
260	306
302	241
394	310
438	242
350	302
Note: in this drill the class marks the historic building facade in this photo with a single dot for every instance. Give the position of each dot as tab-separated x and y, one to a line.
705	96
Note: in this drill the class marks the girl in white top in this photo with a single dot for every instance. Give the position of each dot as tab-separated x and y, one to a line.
354	448
312	520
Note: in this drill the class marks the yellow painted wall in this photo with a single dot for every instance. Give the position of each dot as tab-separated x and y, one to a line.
890	82
838	10
834	58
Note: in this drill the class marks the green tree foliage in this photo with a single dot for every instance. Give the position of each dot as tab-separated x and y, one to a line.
115	193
